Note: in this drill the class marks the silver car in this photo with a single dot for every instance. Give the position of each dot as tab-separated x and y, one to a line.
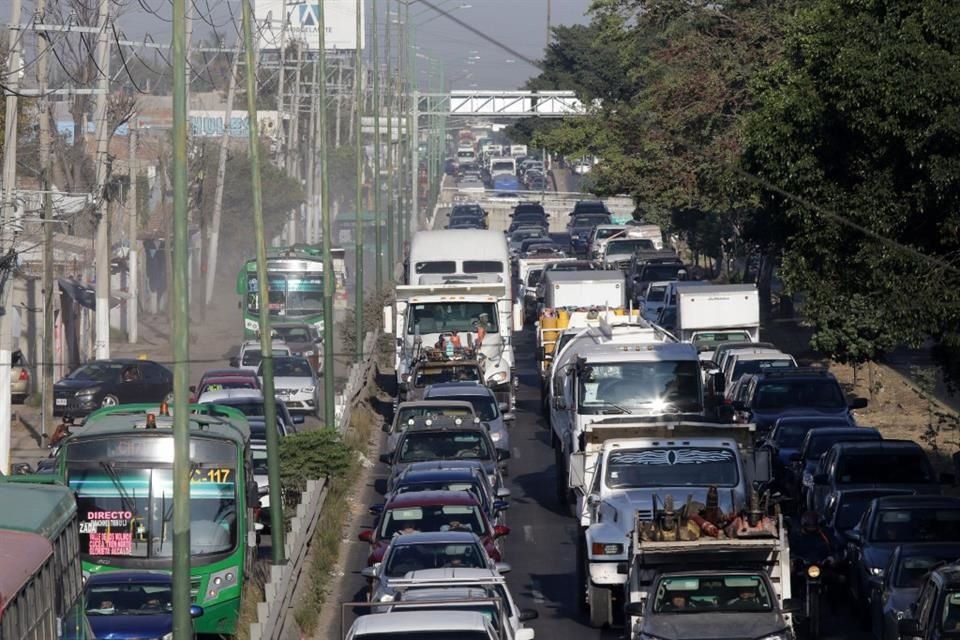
295	383
494	414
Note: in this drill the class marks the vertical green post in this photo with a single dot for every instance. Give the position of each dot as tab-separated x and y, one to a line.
182	623
266	339
329	414
402	156
376	148
387	65
358	232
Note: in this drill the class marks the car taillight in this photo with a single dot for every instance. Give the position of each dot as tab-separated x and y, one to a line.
24	375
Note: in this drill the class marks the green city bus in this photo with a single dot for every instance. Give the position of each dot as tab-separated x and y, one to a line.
120	464
40	594
294	287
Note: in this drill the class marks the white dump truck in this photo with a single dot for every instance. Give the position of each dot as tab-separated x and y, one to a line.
625	469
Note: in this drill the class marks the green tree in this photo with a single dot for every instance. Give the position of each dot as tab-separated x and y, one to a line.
859	123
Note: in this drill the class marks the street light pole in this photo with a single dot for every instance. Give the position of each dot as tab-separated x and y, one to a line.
329	416
358	233
376	150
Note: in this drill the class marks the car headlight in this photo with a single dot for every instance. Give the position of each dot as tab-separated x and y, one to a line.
307	354
167	636
876	571
87	392
495	436
308	389
387	597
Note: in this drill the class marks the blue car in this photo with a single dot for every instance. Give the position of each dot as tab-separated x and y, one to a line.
787	435
128	605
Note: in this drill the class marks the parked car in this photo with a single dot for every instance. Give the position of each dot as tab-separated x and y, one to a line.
107	383
119	603
910	565
888	464
220	379
888	523
798	479
295	383
19	377
432	511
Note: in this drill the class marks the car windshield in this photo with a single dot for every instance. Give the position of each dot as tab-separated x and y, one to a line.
289	368
484	406
294	334
416	557
403	520
703	593
533	277
671	467
913	569
705	340
884	467
444	445
589	207
525	234
233	383
790	435
428	374
129	599
804	393
916	525
99	371
468	486
603	234
589	220
657	387
819	444
664	272
628	246
743	367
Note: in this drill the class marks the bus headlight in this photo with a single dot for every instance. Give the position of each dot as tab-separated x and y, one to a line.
223	579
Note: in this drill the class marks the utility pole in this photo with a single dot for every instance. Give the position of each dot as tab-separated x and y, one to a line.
378	236
102	243
311	232
336	124
402	126
294	160
329	416
7	237
549	12
391	236
46	367
182	623
414	163
358	141
266	338
133	229
281	82
221	177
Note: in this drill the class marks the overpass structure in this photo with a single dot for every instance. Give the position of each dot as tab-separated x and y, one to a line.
500	104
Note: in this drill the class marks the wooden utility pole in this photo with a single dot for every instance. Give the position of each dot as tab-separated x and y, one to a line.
221	176
102	243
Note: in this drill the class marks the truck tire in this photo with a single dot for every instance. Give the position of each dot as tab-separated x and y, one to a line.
563	497
601	606
582	578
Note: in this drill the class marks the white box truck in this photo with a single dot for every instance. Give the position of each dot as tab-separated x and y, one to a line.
710	315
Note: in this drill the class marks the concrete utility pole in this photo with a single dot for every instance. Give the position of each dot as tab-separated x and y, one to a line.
358	140
46	168
311	234
391	235
413	136
102	243
377	142
133	230
329	415
295	160
336	124
549	12
12	81
281	85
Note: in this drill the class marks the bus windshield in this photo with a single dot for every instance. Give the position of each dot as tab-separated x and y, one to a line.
290	295
440	317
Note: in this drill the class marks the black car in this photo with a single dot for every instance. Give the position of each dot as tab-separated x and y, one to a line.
936	614
589	206
529	207
107	383
581	228
798	475
528	220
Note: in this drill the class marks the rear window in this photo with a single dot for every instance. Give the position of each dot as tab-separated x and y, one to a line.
819	444
482	266
917	525
787	394
440	266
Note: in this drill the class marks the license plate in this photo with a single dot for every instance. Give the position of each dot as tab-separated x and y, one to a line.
61	402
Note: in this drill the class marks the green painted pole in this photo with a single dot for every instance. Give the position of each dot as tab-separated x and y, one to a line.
329	414
266	338
182	623
377	142
358	232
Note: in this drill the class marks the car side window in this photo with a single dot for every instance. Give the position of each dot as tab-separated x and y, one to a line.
153	373
926	604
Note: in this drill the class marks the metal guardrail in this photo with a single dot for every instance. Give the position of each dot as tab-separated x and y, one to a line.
275	615
356	379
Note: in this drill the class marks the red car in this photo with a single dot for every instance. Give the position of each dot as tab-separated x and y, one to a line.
219	379
432	511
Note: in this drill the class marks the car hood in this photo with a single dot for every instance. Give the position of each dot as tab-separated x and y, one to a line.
714	626
120	627
293	383
75	384
877	554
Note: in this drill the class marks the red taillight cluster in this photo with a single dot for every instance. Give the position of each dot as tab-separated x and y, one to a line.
24	375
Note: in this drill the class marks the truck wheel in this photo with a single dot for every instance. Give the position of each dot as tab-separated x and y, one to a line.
582	578
601	606
562	495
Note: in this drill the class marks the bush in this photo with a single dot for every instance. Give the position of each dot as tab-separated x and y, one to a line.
311	455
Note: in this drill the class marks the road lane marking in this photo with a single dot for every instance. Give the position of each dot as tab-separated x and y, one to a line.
528	533
536	592
516	453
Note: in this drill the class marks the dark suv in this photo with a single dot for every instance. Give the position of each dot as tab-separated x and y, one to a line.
581	228
797	391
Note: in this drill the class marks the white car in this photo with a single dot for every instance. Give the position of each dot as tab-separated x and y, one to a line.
250	354
294	382
582	167
448	588
403	625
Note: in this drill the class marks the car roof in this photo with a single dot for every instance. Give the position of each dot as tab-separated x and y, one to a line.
414	476
224	396
843	431
232	372
416	621
431	498
461	573
814	419
439	403
797	373
920	502
758	354
435	537
127	577
439	390
436	465
938	548
879	445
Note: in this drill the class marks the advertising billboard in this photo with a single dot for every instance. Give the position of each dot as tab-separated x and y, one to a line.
339	16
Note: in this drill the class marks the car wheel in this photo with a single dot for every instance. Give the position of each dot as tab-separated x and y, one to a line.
109	400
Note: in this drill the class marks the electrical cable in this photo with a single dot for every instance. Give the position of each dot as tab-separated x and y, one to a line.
123	60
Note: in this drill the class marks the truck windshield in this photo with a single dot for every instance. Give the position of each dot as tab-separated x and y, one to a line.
700	593
658	387
671	467
441	317
438	374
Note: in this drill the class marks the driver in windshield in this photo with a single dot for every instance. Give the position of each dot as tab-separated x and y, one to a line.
747	598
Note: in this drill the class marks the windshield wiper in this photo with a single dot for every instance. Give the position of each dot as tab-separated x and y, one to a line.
129	504
611	405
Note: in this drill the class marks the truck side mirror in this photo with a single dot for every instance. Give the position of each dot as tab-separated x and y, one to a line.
719	382
635	608
388	319
762	465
